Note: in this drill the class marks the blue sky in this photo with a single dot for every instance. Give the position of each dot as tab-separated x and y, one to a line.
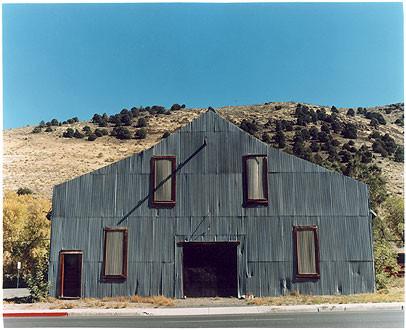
61	61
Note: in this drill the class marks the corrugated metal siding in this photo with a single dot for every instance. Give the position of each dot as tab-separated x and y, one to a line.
209	207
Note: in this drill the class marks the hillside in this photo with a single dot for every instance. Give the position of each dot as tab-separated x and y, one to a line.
41	160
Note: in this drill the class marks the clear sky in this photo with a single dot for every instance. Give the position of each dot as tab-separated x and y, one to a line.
61	61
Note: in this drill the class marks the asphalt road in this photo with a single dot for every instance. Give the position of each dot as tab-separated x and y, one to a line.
370	319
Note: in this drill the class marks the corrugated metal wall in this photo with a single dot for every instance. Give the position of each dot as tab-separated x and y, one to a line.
209	206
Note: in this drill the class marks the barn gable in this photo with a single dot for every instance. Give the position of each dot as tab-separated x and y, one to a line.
209	154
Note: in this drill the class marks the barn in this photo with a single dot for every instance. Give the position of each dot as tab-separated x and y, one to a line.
210	211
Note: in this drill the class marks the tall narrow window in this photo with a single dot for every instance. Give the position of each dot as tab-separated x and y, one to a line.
115	253
255	178
307	251
163	181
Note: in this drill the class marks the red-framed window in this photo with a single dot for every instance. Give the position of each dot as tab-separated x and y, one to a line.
255	180
307	257
115	253
163	181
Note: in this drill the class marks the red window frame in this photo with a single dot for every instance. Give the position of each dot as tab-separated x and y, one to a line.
253	202
313	229
123	275
157	203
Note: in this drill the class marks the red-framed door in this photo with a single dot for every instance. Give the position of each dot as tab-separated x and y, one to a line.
70	275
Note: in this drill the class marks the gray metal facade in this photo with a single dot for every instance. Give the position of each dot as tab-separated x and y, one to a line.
209	207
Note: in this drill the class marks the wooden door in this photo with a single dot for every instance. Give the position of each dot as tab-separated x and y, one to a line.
210	269
70	263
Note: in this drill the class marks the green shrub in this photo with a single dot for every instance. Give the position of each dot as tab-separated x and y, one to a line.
24	191
69	133
336	126
379	148
364	154
399	155
349	131
351	112
375	115
141	133
374	123
279	139
314	147
323	137
325	128
37	279
92	137
49	129
314	131
135	112
250	127
394	218
399	122
54	122
374	135
142	122
385	260
389	143
361	111
126	119
176	107
87	130
265	138
98	132
305	134
37	129
78	135
42	124
121	133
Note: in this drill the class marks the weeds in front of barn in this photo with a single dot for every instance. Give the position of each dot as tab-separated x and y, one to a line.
111	302
395	293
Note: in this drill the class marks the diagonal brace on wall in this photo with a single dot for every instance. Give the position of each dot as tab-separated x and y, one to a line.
180	166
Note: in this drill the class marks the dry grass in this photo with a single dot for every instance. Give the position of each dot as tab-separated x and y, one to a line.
64	305
109	302
392	294
155	300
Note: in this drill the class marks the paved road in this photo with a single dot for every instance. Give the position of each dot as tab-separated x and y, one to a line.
15	293
370	319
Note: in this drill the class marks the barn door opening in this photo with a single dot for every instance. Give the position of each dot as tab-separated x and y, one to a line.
70	263
210	269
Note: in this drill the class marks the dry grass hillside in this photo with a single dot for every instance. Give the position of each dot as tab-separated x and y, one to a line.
40	161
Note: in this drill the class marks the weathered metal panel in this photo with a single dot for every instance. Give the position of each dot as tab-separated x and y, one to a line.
209	207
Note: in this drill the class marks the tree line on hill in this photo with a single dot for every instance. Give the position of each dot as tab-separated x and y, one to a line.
309	143
119	121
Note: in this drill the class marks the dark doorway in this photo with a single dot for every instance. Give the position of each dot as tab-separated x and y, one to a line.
210	269
70	274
